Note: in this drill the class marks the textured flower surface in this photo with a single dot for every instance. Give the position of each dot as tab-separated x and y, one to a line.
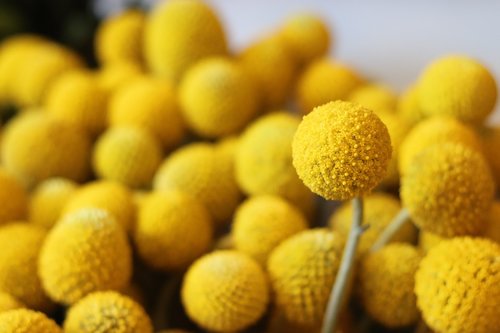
27	321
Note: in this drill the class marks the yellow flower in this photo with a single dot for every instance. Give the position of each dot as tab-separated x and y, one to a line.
490	139
225	291
341	150
118	74
376	97
13	198
408	106
427	240
7	302
493	229
27	321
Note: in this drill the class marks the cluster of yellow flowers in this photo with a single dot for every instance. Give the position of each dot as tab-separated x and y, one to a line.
181	162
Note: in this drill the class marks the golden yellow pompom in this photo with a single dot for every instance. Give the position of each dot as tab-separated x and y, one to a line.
431	131
86	251
408	106
324	81
490	139
427	240
21	243
110	196
272	66
119	37
173	230
27	321
307	36
117	74
376	97
448	190
7	302
386	283
341	150
264	161
13	198
179	33
379	210
261	223
493	229
457	86
302	270
458	286
48	200
218	97
128	155
36	147
107	312
151	104
206	172
78	98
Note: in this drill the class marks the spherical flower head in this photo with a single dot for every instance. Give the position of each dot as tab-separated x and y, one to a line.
493	229
433	130
341	150
118	74
128	155
379	210
86	251
7	302
13	197
27	321
218	97
107	312
225	291
408	106
151	104
173	230
36	147
490	140
457	86
458	286
119	37
193	32
206	172
324	81
386	283
302	270
21	244
376	97
427	240
261	223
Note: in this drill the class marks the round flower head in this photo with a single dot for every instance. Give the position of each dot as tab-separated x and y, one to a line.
112	197
307	36
36	147
262	223
13	198
107	312
86	251
264	161
272	66
379	210
128	155
151	104
225	291
490	139
173	230
448	190
7	302
27	321
302	270
427	240
119	37
458	286
21	243
179	33
493	230
324	81
218	97
386	283
375	97
457	86
341	150
408	106
118	74
431	131
206	172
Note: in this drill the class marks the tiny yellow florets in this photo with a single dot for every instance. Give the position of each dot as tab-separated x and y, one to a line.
7	302
457	86
302	270
261	223
448	190
458	286
375	97
128	155
225	291
27	321
107	312
173	229
179	33
86	251
490	139
386	283
341	150
379	210
13	198
118	74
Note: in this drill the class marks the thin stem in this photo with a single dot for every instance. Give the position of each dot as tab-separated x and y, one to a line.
393	227
338	292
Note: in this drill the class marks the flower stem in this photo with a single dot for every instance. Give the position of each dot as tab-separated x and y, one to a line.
393	227
338	292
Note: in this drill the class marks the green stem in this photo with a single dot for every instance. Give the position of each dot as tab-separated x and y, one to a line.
393	227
